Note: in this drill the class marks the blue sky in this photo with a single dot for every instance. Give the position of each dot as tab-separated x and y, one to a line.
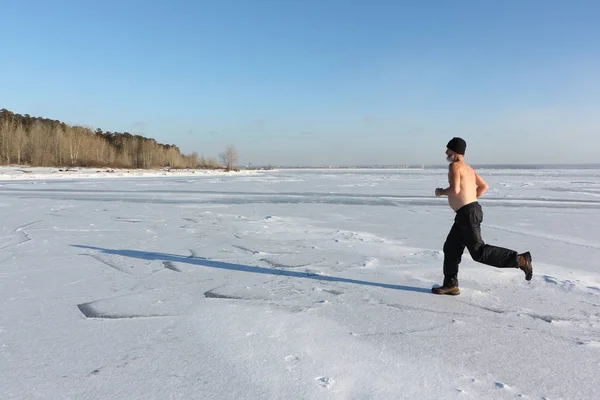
316	82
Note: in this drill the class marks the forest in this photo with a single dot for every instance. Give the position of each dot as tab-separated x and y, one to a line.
43	142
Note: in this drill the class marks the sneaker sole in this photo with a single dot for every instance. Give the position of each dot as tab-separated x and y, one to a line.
452	292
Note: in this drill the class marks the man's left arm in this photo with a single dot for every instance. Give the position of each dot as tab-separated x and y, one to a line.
453	180
482	185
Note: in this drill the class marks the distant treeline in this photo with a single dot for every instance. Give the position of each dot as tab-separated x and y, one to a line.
44	142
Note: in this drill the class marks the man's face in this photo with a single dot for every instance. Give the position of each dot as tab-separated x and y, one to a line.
450	156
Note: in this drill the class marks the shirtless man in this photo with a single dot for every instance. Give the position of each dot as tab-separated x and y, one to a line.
466	186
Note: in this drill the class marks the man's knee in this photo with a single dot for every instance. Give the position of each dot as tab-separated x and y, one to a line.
476	252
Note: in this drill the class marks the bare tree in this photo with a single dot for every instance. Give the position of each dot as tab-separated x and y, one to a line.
192	160
208	163
19	143
74	137
39	146
6	129
229	157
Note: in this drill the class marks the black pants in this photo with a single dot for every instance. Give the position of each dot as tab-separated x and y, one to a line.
466	232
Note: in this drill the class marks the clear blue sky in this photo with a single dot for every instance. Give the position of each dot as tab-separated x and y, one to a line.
316	81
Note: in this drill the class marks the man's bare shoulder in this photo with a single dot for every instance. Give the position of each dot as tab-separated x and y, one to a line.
458	167
467	171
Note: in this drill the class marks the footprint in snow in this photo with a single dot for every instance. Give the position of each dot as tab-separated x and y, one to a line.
590	343
325	381
501	385
292	362
370	263
292	359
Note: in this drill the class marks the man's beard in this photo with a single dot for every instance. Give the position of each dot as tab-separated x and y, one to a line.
451	158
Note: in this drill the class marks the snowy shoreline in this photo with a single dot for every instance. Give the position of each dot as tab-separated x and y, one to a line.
19	172
34	173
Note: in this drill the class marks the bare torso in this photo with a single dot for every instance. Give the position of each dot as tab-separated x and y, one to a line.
468	187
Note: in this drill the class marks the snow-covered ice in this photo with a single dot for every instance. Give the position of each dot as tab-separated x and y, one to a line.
25	173
293	284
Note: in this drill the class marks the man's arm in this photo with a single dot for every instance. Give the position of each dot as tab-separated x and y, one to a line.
482	185
453	180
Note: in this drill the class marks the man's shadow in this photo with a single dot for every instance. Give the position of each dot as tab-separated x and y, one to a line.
204	262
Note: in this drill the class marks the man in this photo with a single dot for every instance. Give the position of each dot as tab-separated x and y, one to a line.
466	186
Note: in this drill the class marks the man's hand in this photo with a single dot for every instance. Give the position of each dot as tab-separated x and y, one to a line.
439	192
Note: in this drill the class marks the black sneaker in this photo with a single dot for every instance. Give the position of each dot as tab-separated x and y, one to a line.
525	264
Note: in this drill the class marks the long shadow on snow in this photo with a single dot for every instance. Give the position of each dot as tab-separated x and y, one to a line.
204	262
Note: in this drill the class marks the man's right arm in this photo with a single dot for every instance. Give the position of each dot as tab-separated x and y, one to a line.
482	185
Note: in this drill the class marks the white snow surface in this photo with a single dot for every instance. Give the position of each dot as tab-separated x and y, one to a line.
294	284
17	172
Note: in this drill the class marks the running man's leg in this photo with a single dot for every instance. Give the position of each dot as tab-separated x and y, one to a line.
495	256
454	248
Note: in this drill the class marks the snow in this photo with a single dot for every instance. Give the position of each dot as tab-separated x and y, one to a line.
28	173
293	284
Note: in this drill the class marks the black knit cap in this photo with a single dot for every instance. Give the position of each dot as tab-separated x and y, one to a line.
457	145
